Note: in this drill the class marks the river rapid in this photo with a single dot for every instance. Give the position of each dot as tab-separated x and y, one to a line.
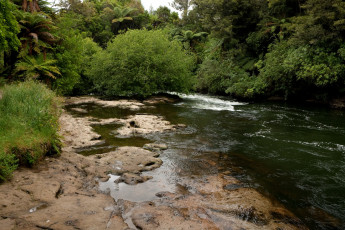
294	154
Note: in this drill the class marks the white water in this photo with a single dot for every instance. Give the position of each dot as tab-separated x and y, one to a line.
206	102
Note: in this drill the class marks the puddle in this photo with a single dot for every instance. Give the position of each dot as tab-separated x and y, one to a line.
110	141
98	111
164	180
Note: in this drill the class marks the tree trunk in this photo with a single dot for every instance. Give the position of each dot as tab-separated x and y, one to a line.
25	5
31	4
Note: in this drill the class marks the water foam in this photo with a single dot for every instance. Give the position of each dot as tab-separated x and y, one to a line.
206	102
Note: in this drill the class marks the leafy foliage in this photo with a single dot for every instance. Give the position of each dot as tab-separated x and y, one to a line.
142	63
8	27
35	33
37	68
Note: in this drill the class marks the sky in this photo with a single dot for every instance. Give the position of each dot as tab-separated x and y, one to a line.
147	4
155	4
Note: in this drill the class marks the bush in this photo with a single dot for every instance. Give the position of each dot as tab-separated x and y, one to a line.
8	163
141	63
29	114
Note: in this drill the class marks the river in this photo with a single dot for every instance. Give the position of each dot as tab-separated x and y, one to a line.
291	153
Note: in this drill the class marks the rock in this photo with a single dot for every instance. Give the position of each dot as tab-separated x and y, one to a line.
77	132
7	223
338	103
154	100
132	179
155	147
79	110
142	124
180	126
133	124
133	160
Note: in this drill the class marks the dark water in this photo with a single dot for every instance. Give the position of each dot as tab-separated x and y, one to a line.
294	154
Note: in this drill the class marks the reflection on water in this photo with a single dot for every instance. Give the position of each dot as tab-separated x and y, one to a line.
295	154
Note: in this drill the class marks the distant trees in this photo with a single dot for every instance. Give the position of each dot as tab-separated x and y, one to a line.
258	48
248	49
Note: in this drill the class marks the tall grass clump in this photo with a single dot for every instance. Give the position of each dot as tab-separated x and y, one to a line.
29	114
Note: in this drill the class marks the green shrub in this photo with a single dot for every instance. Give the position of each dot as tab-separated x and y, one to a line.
141	63
8	163
29	114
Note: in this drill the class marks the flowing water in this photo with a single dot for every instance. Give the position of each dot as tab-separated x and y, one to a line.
291	153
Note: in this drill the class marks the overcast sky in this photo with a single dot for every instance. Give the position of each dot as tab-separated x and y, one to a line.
155	4
146	3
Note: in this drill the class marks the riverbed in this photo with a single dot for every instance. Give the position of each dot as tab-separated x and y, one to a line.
294	154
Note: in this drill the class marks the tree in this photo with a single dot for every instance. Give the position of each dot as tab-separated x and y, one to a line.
35	33
122	14
9	29
31	5
189	38
182	5
37	68
141	63
323	24
229	19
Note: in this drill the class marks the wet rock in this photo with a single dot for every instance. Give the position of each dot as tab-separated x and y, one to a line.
133	160
154	100
180	126
125	104
234	186
38	207
163	217
252	215
281	216
132	179
79	110
141	124
338	103
155	147
133	124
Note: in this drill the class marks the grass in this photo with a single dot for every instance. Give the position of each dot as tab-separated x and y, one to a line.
29	114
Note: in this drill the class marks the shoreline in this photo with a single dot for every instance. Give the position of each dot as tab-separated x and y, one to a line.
64	192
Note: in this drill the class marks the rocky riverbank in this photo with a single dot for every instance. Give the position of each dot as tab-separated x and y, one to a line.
64	192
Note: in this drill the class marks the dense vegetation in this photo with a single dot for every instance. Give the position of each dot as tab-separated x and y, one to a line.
141	63
29	114
250	49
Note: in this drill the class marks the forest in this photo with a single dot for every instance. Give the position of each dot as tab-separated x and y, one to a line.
250	49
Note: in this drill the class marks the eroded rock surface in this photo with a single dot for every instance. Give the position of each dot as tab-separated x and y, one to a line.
127	160
205	204
126	104
144	124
